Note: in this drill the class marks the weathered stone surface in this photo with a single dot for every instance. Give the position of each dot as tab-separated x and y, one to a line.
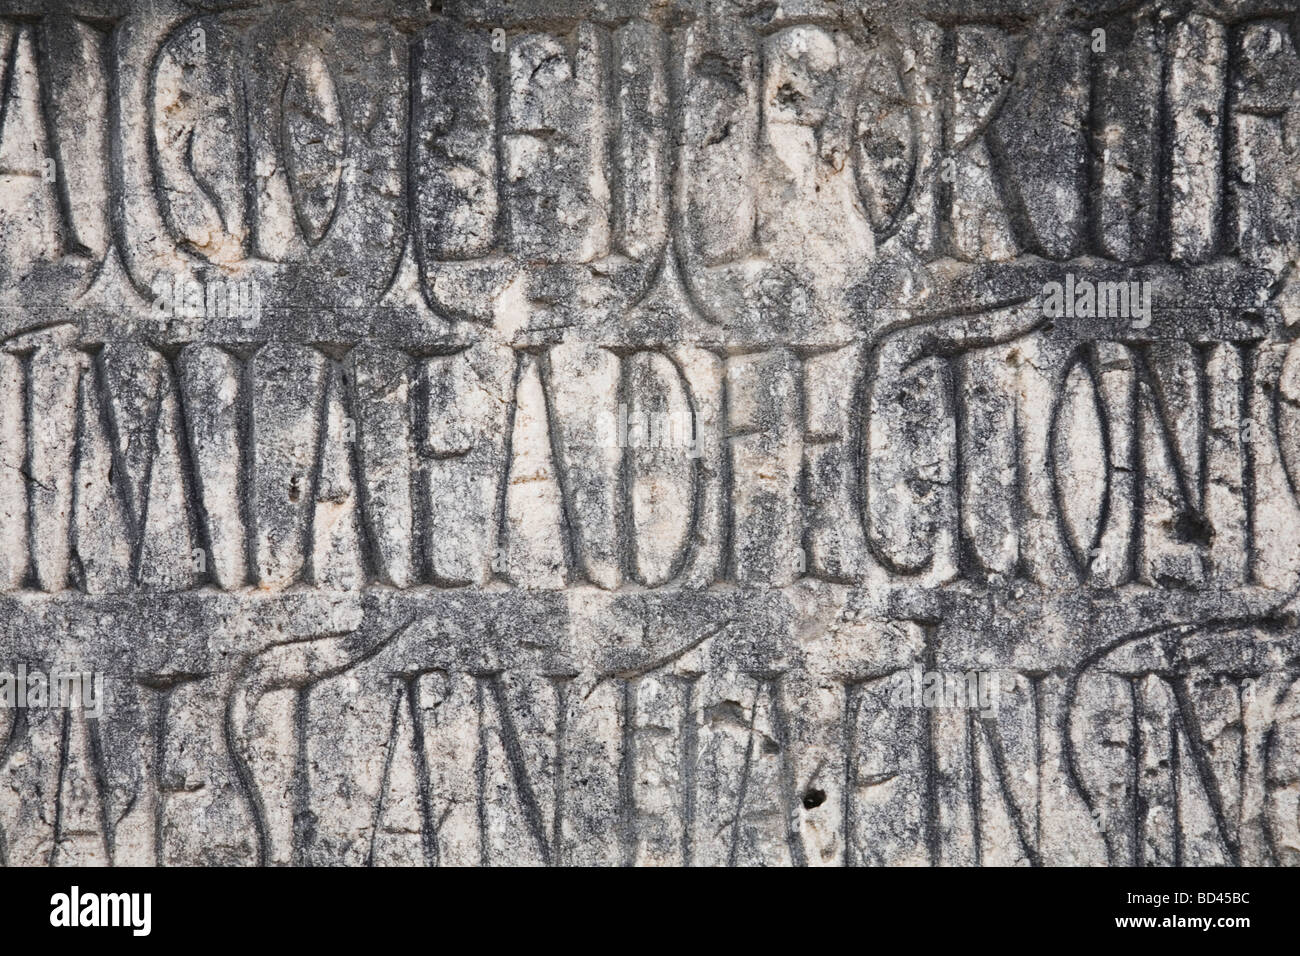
673	433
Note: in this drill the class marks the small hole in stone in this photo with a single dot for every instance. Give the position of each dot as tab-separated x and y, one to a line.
1193	528
812	799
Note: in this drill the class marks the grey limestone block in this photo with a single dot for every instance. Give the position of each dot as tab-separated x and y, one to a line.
649	432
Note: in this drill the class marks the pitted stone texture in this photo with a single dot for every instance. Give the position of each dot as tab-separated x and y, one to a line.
639	433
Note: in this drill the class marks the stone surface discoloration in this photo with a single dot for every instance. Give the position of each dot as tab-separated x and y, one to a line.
636	433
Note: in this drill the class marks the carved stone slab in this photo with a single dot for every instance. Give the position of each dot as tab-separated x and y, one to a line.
650	433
